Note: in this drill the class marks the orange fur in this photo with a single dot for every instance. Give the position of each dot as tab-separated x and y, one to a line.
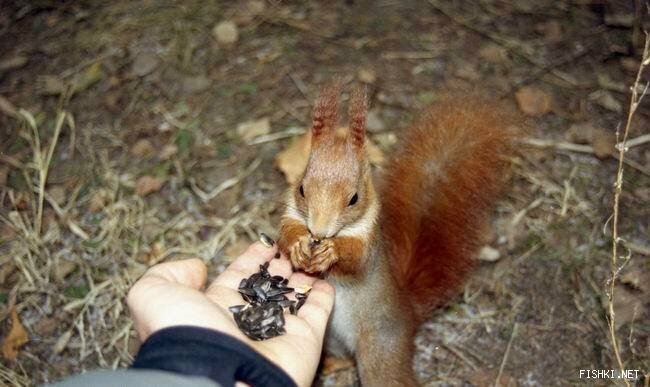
351	252
436	194
395	253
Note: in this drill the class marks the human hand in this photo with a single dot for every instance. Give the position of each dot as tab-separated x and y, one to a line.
171	294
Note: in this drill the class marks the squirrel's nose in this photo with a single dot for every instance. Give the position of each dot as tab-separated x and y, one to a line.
317	235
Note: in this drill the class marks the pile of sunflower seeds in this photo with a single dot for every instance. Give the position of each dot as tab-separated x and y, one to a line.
263	317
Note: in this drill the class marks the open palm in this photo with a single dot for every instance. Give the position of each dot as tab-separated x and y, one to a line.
171	294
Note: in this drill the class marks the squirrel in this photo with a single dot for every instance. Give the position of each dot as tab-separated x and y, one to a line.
398	249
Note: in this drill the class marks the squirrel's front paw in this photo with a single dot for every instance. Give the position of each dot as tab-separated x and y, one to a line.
300	252
323	256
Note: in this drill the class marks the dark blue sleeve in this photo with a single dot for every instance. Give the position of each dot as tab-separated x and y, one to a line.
205	352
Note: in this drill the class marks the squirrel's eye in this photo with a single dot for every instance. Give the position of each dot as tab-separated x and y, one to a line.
302	191
354	199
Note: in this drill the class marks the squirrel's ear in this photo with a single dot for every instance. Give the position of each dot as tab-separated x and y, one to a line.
358	110
326	110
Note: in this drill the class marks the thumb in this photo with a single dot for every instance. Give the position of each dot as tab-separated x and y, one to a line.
191	273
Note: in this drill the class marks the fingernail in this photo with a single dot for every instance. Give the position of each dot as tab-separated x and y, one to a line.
266	240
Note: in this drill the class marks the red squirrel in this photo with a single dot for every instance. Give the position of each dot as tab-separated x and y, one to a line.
396	250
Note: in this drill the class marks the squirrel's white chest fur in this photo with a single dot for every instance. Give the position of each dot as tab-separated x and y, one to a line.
343	324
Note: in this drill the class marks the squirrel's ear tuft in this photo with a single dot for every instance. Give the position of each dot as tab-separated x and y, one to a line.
358	111
326	110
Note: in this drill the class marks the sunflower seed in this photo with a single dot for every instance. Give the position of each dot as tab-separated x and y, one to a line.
266	240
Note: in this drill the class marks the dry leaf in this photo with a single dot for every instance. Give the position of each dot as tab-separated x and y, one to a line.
485	378
494	53
142	149
168	151
98	201
630	64
603	143
533	101
6	270
292	161
148	184
581	133
63	269
251	129
552	30
16	338
47	326
57	192
4	174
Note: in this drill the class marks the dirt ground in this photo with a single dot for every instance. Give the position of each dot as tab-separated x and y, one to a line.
165	119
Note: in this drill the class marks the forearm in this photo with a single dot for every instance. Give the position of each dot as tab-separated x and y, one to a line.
204	352
351	253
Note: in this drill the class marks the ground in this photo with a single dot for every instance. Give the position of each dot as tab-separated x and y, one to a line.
142	104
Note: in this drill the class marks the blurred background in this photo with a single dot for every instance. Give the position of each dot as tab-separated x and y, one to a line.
139	132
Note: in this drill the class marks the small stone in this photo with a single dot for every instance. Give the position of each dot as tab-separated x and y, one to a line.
533	101
468	72
366	75
144	63
226	33
386	139
50	85
489	254
250	129
255	7
374	122
196	84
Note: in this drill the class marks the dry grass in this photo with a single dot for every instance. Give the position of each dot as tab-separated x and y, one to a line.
619	262
67	260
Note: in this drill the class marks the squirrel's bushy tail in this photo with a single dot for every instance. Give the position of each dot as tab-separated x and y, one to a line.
438	191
